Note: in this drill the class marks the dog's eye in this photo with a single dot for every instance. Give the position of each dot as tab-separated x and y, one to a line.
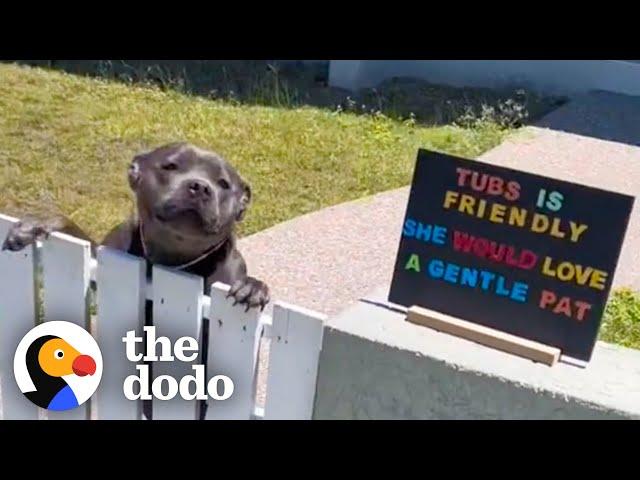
224	184
170	166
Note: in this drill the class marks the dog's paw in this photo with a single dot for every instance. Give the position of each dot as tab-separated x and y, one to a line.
250	292
25	233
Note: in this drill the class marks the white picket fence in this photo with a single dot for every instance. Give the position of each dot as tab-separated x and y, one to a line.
179	307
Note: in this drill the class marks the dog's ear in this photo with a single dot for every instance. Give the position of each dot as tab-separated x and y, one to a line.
134	172
245	200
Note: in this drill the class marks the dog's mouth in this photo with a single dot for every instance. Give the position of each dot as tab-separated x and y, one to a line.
188	216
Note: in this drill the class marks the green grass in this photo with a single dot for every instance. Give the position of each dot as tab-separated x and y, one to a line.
621	322
67	140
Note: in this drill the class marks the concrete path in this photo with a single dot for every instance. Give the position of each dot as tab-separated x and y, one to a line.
329	259
602	115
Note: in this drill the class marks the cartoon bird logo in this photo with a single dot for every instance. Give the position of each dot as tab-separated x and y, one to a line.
52	372
50	358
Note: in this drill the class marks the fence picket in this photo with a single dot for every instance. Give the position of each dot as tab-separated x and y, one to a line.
232	350
233	341
17	317
296	341
121	280
66	280
177	312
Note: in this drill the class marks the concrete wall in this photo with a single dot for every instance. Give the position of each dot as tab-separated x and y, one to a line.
374	365
551	76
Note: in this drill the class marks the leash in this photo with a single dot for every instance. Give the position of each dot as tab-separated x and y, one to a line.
185	265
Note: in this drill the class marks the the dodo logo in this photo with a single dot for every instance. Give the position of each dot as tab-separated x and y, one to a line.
58	365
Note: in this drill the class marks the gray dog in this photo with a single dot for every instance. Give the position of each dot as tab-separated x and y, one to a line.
188	202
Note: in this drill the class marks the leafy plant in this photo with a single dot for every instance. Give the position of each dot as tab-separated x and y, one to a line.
621	324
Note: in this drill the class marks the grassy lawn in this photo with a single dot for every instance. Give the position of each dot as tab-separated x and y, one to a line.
67	140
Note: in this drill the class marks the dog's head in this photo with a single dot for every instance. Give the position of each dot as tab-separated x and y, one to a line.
192	191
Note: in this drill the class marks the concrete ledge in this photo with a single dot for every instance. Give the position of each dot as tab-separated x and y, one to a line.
374	365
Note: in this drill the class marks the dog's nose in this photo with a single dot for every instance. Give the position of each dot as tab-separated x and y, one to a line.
199	189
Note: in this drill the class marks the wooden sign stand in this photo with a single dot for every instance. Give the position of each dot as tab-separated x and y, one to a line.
490	337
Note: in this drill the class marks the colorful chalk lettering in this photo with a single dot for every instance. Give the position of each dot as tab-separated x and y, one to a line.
413	263
426	232
486	280
551	200
527	254
564	305
513	216
490	184
494	251
570	272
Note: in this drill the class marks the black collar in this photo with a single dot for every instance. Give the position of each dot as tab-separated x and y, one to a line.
203	265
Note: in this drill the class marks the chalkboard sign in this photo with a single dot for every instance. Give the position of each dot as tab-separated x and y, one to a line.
521	253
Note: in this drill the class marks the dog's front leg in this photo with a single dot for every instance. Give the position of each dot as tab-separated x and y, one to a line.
251	292
31	229
245	290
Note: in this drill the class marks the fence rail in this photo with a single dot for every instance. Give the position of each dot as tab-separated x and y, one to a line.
56	281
